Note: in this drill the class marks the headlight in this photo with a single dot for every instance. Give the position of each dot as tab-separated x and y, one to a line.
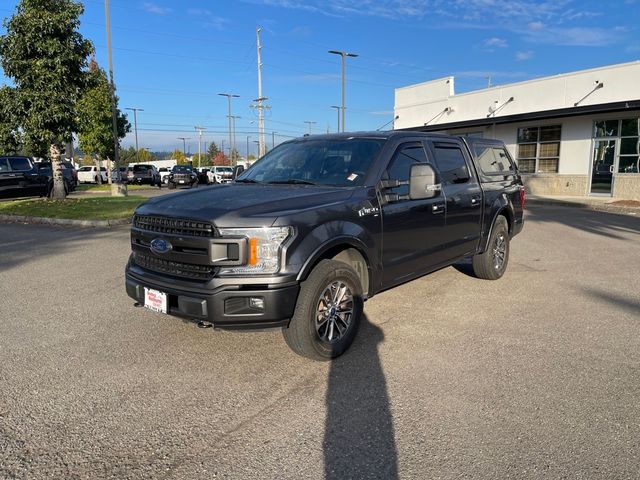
263	245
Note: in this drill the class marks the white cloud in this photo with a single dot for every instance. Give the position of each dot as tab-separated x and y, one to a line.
522	56
574	36
208	18
535	26
496	42
156	9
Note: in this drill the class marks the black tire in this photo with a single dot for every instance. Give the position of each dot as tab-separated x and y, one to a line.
492	264
309	330
171	185
194	184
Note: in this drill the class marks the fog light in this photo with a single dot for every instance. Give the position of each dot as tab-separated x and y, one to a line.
256	302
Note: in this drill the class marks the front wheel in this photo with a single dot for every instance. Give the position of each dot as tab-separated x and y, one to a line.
492	264
327	313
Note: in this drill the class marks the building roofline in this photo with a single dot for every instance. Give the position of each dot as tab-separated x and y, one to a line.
529	116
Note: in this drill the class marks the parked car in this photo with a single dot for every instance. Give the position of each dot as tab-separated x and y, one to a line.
164	175
91	174
319	225
182	175
20	177
205	176
145	173
68	173
222	174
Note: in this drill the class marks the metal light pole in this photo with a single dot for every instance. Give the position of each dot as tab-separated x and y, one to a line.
310	123
135	126
337	110
343	55
199	130
273	139
233	138
184	144
120	188
248	137
229	97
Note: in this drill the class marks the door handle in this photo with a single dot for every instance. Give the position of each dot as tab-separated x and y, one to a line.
437	208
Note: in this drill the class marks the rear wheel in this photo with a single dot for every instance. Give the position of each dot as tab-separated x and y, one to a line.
492	264
172	185
327	313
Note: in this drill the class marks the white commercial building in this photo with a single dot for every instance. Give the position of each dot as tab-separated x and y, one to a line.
571	134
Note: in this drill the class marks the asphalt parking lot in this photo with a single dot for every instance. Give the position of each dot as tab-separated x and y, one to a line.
533	376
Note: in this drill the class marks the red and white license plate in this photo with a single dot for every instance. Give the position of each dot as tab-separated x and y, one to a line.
155	300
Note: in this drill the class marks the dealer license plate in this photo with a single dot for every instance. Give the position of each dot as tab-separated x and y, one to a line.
155	300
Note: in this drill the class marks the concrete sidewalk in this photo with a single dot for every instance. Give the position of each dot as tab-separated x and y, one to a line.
608	204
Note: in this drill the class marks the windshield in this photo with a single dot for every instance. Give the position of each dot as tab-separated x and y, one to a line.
224	169
182	169
342	162
141	168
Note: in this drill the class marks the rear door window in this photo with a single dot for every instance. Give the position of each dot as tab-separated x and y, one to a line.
493	160
20	163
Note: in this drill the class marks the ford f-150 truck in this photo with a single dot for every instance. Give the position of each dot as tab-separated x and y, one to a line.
319	225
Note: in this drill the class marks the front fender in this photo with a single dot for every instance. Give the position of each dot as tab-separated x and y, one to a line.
326	237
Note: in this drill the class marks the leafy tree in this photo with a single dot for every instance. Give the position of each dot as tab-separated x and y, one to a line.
127	156
145	155
221	160
10	136
213	150
235	156
179	157
203	160
251	157
45	56
95	122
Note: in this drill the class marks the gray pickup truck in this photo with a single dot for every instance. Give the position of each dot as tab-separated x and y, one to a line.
319	225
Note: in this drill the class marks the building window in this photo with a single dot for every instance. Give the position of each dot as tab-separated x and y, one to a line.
624	136
539	149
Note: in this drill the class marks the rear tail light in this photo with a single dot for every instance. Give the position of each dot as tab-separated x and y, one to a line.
522	197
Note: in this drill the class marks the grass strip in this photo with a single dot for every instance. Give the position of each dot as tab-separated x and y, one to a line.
105	187
99	208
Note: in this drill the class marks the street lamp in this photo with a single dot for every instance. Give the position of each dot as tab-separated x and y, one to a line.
231	135
343	55
310	123
184	144
273	139
337	110
248	137
135	126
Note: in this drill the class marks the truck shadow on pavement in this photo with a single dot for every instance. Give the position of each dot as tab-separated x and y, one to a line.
608	224
359	440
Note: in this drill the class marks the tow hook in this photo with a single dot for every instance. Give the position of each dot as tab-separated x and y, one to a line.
203	324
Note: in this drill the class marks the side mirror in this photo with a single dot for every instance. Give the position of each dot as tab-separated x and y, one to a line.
237	170
422	183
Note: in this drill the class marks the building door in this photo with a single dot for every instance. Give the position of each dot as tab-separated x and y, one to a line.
603	166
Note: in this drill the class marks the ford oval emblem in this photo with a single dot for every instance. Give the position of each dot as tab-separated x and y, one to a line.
160	245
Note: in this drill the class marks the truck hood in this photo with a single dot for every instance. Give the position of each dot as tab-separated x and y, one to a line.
244	205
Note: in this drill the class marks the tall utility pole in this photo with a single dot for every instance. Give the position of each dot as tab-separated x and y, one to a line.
338	110
199	130
231	139
184	144
259	105
121	188
310	123
343	55
273	139
248	137
135	128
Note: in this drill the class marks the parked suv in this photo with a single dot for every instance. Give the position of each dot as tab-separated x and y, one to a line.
20	177
319	225
91	174
145	173
182	175
222	174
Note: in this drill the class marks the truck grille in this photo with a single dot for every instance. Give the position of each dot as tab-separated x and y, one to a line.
192	228
177	269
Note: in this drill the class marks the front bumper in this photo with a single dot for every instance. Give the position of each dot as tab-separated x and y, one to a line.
225	307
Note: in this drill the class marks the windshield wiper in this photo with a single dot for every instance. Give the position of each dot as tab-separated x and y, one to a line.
246	180
292	181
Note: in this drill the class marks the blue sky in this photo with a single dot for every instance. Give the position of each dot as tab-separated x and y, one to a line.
172	58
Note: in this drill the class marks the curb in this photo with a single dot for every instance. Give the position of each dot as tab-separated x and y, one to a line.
64	221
